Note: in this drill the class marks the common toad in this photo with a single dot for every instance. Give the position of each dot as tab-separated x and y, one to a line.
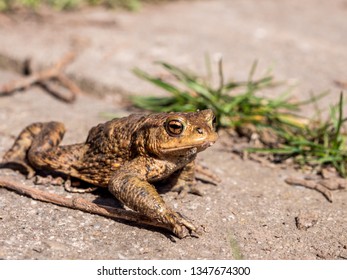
127	156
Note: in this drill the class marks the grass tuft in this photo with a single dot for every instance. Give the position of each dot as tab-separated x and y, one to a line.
317	144
234	103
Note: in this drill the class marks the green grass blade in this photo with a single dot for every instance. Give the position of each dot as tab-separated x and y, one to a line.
157	81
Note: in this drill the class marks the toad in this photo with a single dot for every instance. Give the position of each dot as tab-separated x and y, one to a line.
126	155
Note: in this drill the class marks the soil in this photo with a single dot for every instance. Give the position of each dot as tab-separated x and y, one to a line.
253	213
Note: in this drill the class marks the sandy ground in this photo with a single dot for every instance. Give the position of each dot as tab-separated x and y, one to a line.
252	213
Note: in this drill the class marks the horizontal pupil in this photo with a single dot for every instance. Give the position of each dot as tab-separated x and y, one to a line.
175	126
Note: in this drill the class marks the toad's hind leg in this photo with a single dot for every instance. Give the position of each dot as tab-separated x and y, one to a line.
32	143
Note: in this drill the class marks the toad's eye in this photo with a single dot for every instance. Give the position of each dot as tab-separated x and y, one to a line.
174	127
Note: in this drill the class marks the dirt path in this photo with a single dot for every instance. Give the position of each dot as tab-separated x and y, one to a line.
253	213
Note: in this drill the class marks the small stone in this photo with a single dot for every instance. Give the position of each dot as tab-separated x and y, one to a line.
306	220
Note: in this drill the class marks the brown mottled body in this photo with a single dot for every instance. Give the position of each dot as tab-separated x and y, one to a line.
127	155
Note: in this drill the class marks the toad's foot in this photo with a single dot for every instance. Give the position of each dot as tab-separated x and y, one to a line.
183	181
183	188
18	164
75	187
182	227
69	186
204	174
48	180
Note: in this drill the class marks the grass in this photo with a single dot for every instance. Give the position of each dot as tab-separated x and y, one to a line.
11	5
315	143
195	93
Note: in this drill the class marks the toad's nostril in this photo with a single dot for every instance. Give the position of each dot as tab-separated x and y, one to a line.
199	130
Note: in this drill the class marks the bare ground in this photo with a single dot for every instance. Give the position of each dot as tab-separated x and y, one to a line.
253	213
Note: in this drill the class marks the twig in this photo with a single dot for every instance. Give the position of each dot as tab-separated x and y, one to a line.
78	203
42	77
310	185
62	91
53	88
336	184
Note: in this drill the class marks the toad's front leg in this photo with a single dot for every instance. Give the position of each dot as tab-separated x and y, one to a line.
134	191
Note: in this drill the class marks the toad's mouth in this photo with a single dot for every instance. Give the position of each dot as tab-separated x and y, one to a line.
199	148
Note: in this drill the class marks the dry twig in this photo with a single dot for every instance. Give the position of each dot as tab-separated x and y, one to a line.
43	77
78	203
310	184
